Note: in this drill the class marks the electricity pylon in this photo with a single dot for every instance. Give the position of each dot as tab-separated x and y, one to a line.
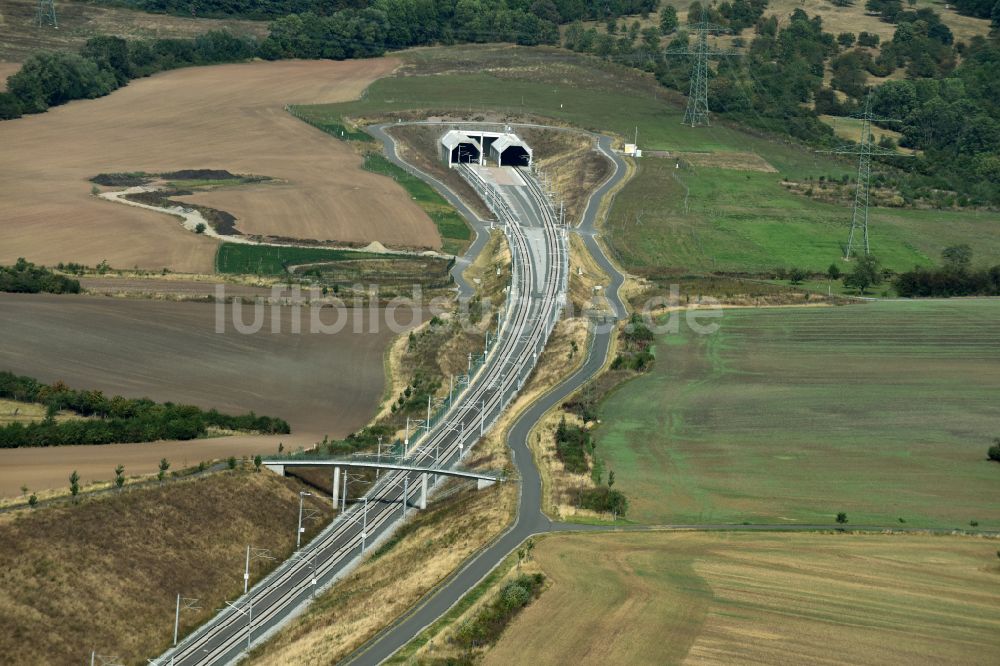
864	150
696	113
46	13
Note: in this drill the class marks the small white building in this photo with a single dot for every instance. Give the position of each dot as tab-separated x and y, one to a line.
482	147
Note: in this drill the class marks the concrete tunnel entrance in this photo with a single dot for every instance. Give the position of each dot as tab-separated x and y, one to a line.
465	153
484	147
515	156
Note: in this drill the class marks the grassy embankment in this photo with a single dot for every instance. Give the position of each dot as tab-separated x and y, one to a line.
883	411
760	598
104	574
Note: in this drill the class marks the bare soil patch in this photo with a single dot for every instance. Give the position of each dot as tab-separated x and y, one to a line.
719	160
321	384
221	117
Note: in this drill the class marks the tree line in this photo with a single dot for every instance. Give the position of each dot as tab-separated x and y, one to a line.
114	420
946	107
313	30
556	11
106	63
955	277
26	277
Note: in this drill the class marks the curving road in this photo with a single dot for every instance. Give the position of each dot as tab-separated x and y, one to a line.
530	519
533	306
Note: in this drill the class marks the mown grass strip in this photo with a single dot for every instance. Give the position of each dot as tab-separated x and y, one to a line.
320	117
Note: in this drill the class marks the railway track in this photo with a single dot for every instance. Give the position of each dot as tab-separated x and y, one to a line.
529	315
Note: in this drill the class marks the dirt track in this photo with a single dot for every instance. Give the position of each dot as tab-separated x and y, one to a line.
173	288
46	468
225	117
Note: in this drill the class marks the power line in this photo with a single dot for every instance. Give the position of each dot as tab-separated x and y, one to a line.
864	149
697	113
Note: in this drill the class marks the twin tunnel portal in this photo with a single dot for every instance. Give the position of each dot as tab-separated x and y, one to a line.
485	148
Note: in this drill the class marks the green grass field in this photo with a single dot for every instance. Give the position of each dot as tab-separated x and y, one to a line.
883	411
746	221
455	233
242	259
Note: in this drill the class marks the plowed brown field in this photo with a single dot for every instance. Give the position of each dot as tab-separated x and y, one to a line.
321	384
225	117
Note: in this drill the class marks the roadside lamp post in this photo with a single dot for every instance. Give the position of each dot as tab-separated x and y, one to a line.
298	535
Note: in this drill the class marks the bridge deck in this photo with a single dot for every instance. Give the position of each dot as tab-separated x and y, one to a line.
278	466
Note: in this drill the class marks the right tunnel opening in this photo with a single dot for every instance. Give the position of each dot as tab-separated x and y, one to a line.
515	156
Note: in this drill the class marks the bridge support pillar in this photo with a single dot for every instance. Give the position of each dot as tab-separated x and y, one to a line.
276	468
423	491
336	486
483	483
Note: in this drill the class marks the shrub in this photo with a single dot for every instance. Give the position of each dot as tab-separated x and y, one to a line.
26	277
573	445
993	453
487	625
604	500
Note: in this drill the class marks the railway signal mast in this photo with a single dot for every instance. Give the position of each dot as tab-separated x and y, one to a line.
46	13
864	149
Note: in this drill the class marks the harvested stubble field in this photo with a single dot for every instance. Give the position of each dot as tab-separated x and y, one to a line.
790	415
104	574
225	117
739	598
321	384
